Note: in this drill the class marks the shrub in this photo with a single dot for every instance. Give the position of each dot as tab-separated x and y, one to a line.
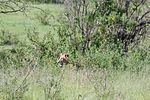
106	35
44	17
7	38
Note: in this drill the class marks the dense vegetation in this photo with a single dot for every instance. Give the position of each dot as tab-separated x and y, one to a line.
108	41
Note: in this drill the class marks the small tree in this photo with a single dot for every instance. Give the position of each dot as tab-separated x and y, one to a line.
97	22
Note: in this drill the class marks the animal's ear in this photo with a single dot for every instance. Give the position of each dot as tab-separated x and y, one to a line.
60	54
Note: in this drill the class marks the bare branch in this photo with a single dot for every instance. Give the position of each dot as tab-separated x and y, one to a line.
11	11
147	12
11	6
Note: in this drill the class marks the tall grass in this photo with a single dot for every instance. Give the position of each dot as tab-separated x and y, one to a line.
48	84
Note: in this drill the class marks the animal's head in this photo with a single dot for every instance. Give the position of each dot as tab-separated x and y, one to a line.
63	59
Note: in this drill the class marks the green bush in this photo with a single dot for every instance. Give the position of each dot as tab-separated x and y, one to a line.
105	36
92	40
7	38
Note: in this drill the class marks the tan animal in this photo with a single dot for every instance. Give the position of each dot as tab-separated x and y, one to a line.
63	59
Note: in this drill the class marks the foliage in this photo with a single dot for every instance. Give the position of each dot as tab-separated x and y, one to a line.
30	56
7	38
93	23
105	34
90	36
104	71
44	17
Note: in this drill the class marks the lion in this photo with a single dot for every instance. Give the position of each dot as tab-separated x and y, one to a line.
63	59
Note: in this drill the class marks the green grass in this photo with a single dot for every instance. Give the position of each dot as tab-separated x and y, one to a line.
18	23
79	85
84	84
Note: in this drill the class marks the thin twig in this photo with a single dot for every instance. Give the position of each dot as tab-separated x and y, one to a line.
147	12
28	73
